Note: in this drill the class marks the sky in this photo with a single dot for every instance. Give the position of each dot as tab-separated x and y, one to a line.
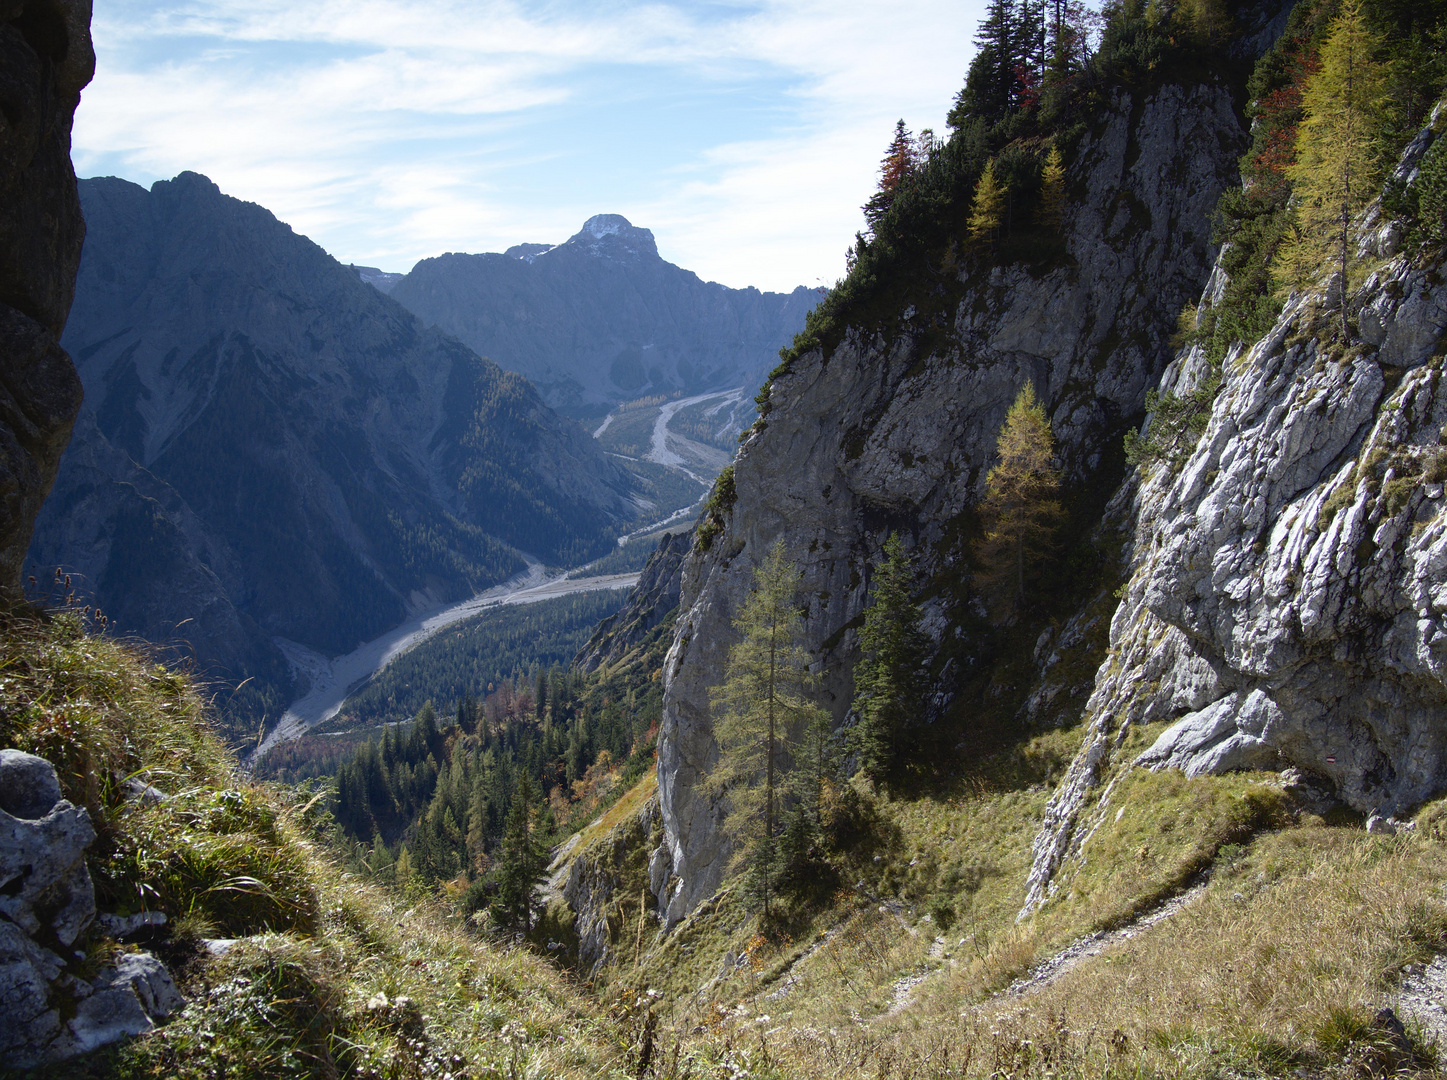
745	135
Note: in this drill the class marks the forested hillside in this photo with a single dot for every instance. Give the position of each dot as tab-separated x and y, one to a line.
433	801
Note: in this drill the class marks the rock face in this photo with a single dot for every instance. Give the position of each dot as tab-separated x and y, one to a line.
46	54
1288	598
600	879
652	599
896	432
47	903
602	318
277	449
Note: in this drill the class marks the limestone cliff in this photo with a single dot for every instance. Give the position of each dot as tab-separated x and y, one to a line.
1286	605
894	428
46	54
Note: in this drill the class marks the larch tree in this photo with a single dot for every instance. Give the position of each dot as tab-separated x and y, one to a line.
889	680
1021	509
1051	213
761	709
988	207
1338	148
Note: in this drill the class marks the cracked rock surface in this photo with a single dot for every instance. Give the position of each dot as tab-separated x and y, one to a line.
1288	602
47	905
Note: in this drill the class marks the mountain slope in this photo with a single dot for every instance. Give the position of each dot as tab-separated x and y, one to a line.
893	425
341	464
602	318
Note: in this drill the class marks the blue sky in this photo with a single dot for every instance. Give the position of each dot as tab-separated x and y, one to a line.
745	135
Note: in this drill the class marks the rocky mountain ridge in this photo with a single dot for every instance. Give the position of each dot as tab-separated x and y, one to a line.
601	318
276	449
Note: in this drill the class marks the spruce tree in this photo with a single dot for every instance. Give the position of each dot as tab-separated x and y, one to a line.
521	862
1021	510
889	681
1338	149
900	160
760	710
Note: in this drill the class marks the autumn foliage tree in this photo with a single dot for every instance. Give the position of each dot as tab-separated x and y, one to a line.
900	160
1338	148
1051	211
1021	510
988	208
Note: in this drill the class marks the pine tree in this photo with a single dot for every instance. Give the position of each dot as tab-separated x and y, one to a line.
521	862
1338	148
889	681
988	207
1021	509
760	710
1051	214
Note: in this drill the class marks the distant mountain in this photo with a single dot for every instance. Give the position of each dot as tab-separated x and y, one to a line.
602	318
380	279
275	449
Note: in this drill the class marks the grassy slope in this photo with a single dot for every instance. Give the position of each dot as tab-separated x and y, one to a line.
314	986
1278	965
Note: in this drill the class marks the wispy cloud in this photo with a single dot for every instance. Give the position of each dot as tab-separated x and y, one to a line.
745	135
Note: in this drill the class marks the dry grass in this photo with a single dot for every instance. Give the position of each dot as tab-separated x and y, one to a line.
101	712
332	976
1276	970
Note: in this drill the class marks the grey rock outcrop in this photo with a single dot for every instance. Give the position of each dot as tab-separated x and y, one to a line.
601	318
1288	598
651	600
603	876
45	888
895	430
47	902
46	54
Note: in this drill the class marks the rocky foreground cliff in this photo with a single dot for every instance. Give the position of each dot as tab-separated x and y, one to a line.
1286	598
1280	606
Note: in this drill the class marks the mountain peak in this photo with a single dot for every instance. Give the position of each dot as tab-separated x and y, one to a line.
610	234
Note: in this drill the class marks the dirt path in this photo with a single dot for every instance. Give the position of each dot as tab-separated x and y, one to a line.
1043	974
1046	972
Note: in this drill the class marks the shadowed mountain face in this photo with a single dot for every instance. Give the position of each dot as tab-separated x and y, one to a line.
602	318
325	463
